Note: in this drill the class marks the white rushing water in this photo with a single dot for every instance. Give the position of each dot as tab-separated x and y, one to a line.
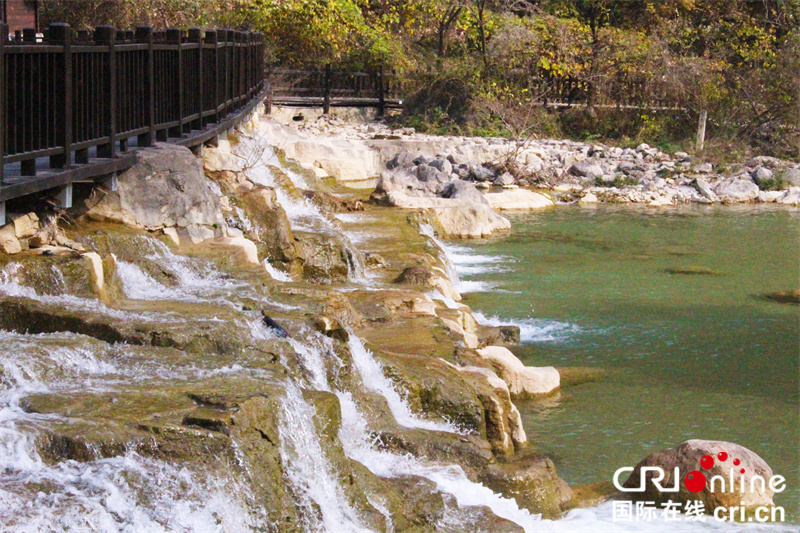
276	274
312	477
123	493
374	379
459	263
533	329
448	478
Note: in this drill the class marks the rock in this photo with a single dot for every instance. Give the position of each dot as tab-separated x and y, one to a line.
416	275
244	247
682	156
460	189
705	189
9	244
588	199
505	180
26	225
469	220
429	174
523	381
770	196
517	199
324	256
704	168
627	167
792	197
165	187
96	270
791	176
533	482
40	239
737	190
480	173
761	174
643	147
443	165
504	429
587	168
402	159
688	458
784	297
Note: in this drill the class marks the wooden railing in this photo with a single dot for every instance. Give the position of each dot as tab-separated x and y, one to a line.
75	96
327	88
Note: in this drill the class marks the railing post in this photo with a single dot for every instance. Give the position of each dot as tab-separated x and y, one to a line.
105	36
196	36
174	38
3	81
60	33
211	38
28	166
381	93
326	101
144	35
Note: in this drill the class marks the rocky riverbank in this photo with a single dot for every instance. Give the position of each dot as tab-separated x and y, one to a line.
569	171
286	358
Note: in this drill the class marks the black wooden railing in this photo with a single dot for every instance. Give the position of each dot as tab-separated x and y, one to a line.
327	87
75	95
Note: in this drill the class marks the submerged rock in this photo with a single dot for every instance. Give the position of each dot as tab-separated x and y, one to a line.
784	297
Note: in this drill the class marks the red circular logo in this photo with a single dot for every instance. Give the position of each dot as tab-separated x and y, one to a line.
695	481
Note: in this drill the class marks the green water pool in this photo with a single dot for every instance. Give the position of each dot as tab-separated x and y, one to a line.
694	354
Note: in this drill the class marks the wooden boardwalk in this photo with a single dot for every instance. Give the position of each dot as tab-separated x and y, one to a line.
74	107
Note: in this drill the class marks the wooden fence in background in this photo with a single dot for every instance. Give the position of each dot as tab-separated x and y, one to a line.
328	88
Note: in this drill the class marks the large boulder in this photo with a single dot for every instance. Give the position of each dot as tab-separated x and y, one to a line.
705	468
586	168
165	187
523	381
734	190
468	220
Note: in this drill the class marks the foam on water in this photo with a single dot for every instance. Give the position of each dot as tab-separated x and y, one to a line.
374	379
533	329
276	274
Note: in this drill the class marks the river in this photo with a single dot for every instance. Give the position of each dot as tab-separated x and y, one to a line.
665	303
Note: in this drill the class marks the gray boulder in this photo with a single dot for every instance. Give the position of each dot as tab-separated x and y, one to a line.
505	180
165	187
761	174
401	160
587	168
481	173
705	190
442	164
459	189
734	190
791	176
704	168
429	174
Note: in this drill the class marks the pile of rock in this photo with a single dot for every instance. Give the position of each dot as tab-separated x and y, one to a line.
575	170
27	231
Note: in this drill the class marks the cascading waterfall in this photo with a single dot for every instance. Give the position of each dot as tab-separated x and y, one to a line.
374	379
450	479
308	470
104	494
458	262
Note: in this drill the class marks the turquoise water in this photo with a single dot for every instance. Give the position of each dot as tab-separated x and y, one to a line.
684	356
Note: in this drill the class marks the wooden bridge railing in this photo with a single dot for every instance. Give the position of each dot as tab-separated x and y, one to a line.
73	92
327	87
